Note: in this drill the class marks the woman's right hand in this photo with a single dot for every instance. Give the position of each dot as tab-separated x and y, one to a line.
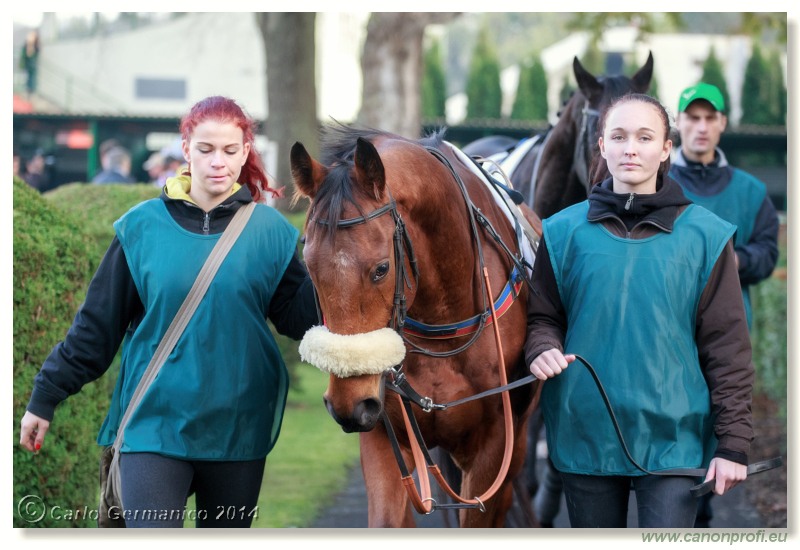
32	431
550	363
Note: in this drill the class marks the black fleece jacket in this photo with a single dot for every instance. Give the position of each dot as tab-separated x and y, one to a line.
113	307
721	334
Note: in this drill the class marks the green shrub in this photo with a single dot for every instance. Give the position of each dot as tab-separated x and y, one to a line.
51	272
769	339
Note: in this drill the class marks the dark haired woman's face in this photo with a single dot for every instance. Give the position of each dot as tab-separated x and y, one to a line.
216	154
634	147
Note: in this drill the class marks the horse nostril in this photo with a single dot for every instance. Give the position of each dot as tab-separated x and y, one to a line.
367	412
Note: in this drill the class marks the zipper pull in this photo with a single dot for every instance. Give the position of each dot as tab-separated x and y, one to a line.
206	223
628	203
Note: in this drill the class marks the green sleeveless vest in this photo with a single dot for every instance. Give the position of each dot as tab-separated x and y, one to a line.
222	392
631	307
738	204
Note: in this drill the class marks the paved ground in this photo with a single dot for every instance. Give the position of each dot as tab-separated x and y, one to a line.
349	510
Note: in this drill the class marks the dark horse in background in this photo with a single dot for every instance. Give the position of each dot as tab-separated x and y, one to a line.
551	170
400	256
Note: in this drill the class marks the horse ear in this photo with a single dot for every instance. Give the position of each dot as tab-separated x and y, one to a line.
306	172
370	173
641	80
588	84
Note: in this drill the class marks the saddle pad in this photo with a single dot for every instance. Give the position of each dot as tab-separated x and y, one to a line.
525	246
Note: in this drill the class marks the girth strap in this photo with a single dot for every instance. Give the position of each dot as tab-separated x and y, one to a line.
501	305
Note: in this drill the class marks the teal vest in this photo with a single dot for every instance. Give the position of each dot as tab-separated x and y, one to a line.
221	393
631	308
738	204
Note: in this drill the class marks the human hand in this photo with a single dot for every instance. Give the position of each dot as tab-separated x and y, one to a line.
32	432
550	363
728	474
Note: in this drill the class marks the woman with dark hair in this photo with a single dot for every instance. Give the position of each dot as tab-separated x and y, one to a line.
213	413
643	285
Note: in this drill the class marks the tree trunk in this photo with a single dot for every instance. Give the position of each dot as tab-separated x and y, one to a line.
291	89
392	67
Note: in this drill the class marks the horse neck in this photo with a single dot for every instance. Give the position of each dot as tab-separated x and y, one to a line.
449	287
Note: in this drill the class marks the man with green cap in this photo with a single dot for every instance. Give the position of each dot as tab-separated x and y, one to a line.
702	170
734	195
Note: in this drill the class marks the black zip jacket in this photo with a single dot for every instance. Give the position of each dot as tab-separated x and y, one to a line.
112	307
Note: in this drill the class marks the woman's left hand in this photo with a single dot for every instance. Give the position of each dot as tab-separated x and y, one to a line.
728	474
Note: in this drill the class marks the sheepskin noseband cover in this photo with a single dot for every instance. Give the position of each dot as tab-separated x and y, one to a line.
346	355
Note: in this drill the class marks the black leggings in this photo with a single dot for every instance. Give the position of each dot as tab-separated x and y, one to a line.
155	489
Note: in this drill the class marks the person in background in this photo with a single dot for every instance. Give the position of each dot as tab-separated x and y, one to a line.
155	168
17	165
642	284
173	161
36	174
214	412
29	61
700	167
116	167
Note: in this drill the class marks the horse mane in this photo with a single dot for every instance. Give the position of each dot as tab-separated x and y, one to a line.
338	146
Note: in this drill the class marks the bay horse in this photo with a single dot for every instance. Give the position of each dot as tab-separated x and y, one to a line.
552	170
402	239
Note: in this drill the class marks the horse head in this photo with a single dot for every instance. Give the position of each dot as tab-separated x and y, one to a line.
351	254
564	175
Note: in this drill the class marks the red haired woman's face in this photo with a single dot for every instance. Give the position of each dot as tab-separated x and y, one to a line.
216	153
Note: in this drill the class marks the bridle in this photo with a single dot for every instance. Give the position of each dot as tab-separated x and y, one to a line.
584	145
394	378
582	154
403	252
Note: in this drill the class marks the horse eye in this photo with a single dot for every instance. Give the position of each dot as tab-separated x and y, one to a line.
380	272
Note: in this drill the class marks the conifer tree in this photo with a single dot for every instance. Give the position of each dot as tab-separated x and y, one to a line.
484	94
531	100
755	90
434	87
778	98
713	74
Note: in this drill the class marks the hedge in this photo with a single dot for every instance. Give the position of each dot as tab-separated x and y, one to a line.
51	271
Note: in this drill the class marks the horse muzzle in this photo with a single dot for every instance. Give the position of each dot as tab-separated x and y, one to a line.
354	397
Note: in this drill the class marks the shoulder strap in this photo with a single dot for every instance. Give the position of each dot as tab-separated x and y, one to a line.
186	311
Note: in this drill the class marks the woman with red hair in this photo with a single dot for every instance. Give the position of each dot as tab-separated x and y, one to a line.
213	413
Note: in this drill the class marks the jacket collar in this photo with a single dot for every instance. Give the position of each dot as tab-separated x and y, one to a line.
720	160
659	209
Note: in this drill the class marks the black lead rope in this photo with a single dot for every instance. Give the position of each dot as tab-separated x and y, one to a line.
405	390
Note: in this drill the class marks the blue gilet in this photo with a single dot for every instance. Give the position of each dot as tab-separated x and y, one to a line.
222	391
631	307
739	204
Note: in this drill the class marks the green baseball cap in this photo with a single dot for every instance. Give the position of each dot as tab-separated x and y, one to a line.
709	92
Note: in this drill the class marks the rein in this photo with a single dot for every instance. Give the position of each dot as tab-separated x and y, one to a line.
696	491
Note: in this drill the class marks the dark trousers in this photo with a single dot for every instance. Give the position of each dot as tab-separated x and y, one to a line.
155	489
602	501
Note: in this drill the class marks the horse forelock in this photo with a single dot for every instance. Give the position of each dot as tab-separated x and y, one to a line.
338	190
